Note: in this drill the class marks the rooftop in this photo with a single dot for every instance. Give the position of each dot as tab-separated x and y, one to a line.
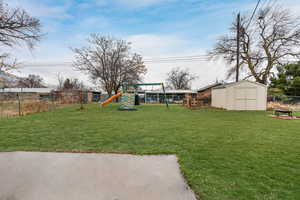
209	86
224	85
27	90
172	91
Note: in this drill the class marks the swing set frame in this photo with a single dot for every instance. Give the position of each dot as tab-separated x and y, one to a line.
125	87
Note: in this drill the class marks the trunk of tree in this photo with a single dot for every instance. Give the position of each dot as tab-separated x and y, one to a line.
261	80
116	92
109	93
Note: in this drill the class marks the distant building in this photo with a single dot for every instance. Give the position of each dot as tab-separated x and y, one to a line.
26	93
64	96
204	94
67	96
27	90
173	96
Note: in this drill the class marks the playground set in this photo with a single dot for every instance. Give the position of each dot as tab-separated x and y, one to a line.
129	96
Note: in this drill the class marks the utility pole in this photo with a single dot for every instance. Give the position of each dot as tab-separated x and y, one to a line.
238	47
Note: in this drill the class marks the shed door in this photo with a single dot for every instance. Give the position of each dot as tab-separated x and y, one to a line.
245	98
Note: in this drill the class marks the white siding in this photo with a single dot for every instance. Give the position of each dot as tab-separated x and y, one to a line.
230	96
218	97
262	96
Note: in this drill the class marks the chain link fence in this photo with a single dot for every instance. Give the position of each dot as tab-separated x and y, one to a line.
22	103
284	102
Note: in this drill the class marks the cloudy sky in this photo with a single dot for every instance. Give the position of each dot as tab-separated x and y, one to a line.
156	28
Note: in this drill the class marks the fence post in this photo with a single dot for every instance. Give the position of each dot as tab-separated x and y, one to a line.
81	99
52	101
2	102
19	103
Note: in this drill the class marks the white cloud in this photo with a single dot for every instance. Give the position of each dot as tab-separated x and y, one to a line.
148	45
41	9
101	2
156	46
132	4
139	3
84	5
293	5
207	72
98	21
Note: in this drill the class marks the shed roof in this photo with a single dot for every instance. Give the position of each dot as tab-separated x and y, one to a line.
226	85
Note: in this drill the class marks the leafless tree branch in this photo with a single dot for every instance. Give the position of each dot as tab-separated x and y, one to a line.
180	79
16	28
108	61
273	37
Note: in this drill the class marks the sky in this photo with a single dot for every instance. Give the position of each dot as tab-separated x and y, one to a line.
156	28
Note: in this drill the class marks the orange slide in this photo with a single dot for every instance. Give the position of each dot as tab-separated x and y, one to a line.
110	99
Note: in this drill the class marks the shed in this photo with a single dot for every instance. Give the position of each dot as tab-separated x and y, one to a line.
205	92
242	95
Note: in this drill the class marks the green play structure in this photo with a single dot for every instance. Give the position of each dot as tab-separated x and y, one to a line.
128	98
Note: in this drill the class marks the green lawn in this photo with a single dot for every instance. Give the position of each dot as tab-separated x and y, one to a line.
226	155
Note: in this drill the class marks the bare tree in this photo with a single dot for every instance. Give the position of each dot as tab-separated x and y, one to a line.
60	80
180	79
109	61
69	83
32	81
73	84
271	39
16	28
6	63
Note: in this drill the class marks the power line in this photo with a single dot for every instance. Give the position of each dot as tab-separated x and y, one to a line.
265	2
177	57
45	64
253	13
270	4
273	4
29	65
174	59
238	37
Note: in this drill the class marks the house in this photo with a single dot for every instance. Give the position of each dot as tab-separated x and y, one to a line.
27	90
204	94
63	96
242	95
202	99
70	96
26	93
173	96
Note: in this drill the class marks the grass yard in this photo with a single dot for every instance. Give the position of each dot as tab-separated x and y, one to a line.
224	155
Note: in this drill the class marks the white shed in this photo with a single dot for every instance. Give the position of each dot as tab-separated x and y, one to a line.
242	95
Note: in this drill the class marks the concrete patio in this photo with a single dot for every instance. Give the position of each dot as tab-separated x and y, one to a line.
79	176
